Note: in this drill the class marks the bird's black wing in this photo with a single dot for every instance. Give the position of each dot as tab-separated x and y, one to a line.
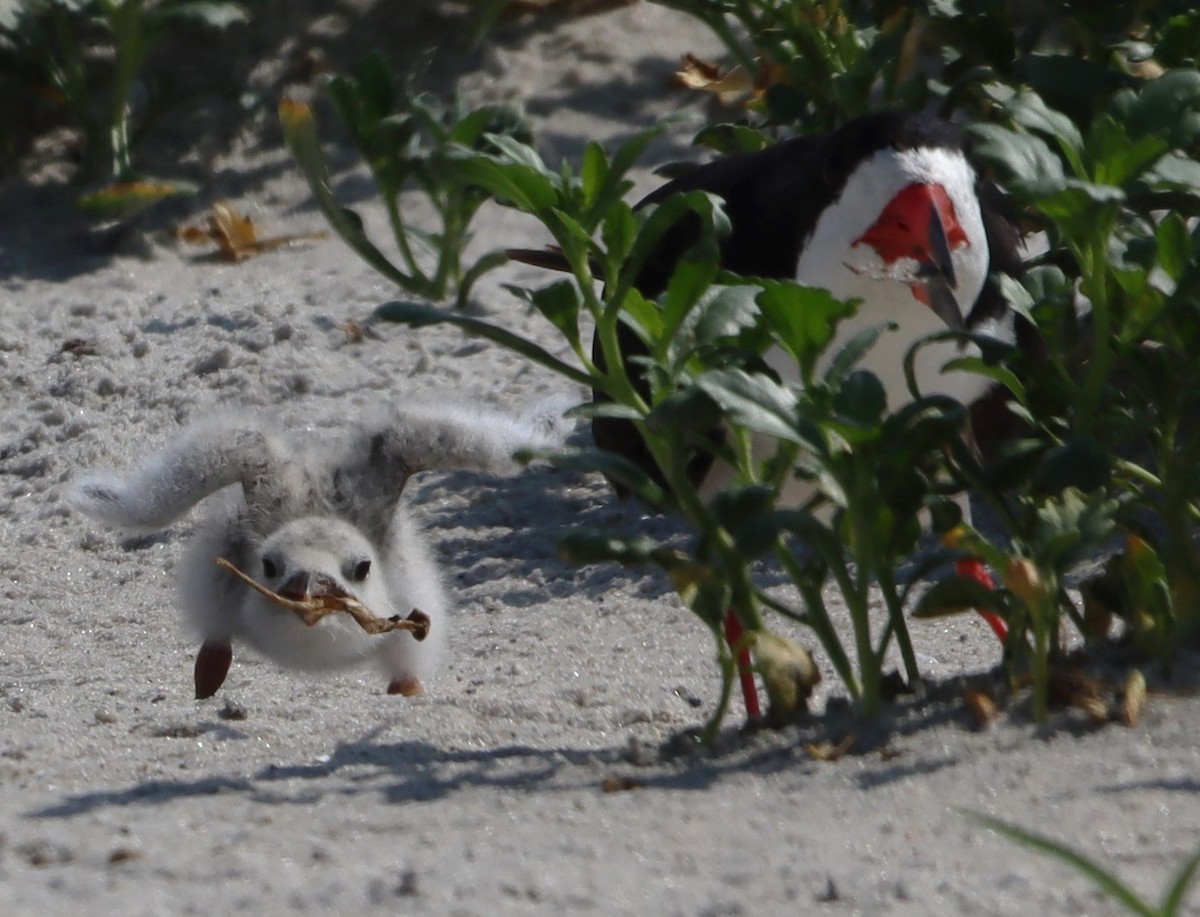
772	205
772	199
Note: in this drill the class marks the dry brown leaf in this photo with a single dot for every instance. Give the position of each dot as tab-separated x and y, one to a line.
312	610
79	347
1074	689
353	331
235	235
729	88
620	784
827	751
1134	699
981	705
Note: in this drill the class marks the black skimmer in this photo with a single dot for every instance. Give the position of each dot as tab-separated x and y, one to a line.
886	209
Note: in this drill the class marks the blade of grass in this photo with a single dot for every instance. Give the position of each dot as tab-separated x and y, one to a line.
1110	884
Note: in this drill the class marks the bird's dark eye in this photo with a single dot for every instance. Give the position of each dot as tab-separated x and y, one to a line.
270	568
361	569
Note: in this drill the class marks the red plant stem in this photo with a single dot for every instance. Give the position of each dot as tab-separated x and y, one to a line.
973	568
733	633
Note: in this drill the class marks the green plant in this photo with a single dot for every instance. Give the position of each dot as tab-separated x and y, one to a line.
1111	438
1089	118
1173	898
870	471
62	43
405	136
822	62
1048	537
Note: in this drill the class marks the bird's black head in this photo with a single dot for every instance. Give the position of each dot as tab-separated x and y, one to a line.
858	140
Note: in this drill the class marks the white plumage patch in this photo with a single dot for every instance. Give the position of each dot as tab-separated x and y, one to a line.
830	260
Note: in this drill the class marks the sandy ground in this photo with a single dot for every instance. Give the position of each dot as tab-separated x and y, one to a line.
121	794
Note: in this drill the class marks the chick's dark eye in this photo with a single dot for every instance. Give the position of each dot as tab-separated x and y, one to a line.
270	568
361	569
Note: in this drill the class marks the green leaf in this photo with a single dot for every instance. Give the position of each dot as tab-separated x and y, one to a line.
688	410
1117	157
615	184
591	409
1069	83
688	284
724	312
1082	462
1021	157
1179	39
511	181
300	135
754	402
1015	293
853	351
1174	245
860	399
1015	463
957	594
1001	374
1177	171
728	139
559	304
376	88
1173	900
803	320
656	220
1028	110
1072	525
746	512
514	150
592	172
618	232
1077	207
418	315
1165	107
470	129
921	426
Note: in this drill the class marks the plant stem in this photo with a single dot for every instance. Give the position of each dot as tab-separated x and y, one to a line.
1041	663
727	664
896	621
818	619
400	233
125	20
1095	286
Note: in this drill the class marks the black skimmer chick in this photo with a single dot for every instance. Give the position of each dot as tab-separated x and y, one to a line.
312	517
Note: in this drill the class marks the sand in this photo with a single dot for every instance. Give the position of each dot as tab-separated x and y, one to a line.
119	793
